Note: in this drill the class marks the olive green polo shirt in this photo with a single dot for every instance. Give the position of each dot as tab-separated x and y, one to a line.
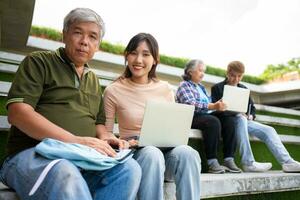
48	82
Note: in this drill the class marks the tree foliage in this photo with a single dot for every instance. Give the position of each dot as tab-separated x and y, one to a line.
277	71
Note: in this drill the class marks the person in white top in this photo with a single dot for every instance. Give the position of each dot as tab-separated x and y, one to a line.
125	99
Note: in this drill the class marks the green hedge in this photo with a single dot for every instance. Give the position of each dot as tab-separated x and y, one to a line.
45	32
112	48
119	49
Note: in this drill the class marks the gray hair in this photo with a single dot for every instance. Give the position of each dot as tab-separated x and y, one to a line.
84	15
190	66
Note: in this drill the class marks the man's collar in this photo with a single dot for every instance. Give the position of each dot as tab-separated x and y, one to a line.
61	53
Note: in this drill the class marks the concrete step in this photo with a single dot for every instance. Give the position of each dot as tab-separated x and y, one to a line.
275	109
7	193
221	185
278	121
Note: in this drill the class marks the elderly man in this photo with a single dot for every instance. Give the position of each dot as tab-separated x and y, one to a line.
55	95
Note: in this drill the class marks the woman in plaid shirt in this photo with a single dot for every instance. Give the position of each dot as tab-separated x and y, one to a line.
192	92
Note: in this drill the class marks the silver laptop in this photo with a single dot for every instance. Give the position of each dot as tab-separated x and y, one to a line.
236	98
166	124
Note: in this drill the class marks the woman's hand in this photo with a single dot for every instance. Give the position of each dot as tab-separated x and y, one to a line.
118	143
219	105
133	143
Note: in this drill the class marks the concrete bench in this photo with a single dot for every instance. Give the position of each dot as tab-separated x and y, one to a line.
220	185
7	193
193	134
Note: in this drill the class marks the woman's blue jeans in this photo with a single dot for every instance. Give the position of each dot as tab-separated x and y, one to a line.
181	164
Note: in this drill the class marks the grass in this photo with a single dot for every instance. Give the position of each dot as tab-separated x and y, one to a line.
287	130
3	110
7	77
283	115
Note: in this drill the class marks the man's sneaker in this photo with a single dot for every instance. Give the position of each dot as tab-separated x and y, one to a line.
230	166
257	167
216	168
291	167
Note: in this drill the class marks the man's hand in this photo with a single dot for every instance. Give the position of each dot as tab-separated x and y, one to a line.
101	146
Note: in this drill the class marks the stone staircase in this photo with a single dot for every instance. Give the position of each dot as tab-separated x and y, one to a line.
212	186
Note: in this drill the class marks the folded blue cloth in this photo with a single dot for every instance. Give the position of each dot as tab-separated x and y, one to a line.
80	155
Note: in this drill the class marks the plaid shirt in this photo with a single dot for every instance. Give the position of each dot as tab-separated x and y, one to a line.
188	93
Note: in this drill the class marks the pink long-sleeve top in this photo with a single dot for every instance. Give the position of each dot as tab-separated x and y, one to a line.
125	100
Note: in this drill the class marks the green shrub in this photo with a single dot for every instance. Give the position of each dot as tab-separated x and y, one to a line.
119	49
215	71
173	61
47	33
112	48
253	79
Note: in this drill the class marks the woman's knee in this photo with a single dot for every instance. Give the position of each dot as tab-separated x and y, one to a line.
150	156
151	153
186	153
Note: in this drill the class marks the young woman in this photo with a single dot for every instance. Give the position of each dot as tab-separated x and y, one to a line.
125	99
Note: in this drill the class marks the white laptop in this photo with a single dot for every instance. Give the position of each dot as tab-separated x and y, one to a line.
236	98
166	124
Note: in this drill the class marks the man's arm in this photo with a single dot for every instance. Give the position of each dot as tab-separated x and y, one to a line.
38	127
35	125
